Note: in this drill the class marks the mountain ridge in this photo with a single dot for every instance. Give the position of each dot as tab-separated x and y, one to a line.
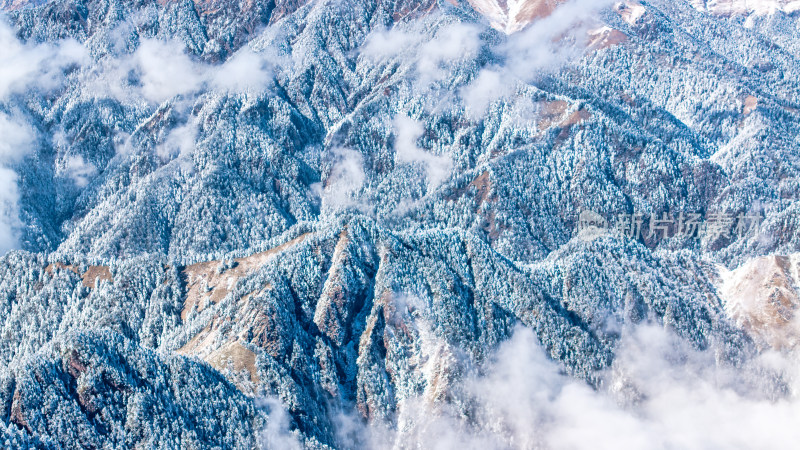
325	217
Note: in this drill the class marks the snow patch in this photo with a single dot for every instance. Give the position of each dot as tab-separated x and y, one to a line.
631	11
745	7
510	16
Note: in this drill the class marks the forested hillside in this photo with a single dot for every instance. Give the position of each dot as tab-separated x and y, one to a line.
399	223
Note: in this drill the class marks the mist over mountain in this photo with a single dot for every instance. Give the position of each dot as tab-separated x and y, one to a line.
337	224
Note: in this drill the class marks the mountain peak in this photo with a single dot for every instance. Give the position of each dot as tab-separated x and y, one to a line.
510	16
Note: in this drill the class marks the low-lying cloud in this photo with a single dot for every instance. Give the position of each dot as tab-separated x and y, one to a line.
16	142
276	434
661	394
432	59
27	66
24	67
544	46
167	71
79	170
179	142
343	183
245	71
157	71
407	133
9	213
523	57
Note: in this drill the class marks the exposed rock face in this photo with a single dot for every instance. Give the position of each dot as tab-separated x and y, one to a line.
363	308
763	296
512	15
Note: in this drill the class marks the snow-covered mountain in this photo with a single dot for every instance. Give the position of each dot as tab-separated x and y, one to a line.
398	223
739	7
512	15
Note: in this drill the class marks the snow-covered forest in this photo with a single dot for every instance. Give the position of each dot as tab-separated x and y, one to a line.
355	224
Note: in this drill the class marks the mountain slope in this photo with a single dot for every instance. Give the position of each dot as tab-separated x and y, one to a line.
350	208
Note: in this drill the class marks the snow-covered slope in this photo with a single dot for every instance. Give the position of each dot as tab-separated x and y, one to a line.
346	208
742	7
510	16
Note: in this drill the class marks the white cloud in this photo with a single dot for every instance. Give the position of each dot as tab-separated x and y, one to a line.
344	181
432	59
546	45
552	41
407	133
79	170
180	142
9	213
455	42
16	142
276	433
17	139
661	394
245	71
166	70
387	43
163	69
525	401
489	86
24	66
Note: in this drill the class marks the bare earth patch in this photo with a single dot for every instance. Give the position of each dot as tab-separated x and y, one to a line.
89	278
208	283
762	296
